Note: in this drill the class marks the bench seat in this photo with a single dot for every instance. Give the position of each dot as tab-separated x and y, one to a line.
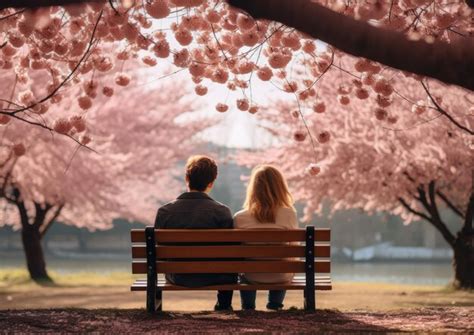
298	283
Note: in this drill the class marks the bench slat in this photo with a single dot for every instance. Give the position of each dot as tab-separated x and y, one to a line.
238	251
321	266
320	284
230	235
296	278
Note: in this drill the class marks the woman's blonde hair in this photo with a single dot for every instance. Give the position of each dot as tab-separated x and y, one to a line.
266	192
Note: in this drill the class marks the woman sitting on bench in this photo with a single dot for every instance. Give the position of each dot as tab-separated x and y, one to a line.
268	204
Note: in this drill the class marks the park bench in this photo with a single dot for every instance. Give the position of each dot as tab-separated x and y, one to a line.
157	251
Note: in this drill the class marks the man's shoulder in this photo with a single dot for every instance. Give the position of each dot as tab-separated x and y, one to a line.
168	205
220	205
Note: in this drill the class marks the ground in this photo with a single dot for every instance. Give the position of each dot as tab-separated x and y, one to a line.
103	303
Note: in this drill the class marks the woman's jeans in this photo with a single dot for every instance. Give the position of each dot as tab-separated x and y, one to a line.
275	298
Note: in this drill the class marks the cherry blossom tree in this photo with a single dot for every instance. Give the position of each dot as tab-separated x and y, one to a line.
122	167
220	45
402	158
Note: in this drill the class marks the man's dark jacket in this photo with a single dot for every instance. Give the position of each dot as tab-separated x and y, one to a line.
196	210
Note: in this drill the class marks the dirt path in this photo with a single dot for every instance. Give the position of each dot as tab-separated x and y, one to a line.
137	321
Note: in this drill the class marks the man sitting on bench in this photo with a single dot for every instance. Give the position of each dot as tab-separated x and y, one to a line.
197	210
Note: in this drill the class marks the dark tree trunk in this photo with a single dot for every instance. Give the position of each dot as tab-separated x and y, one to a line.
464	261
462	243
464	249
31	238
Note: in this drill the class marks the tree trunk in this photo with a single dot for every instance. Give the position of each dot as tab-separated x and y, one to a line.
463	262
31	238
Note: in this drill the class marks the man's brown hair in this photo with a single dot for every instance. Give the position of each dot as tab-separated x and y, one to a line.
200	172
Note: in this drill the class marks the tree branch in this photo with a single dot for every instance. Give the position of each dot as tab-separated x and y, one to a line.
411	210
450	204
25	222
432	208
40	214
442	111
446	62
48	224
66	79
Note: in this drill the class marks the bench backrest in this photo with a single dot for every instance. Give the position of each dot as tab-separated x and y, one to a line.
265	251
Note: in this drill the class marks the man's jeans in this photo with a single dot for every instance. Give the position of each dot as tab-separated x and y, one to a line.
275	298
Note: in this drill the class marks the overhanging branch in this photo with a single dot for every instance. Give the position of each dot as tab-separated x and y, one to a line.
449	63
40	3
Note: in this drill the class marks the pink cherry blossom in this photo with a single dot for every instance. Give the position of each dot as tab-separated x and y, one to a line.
148	60
222	107
381	114
343	99
122	79
197	69
313	169
181	58
161	49
418	108
382	86
84	102
319	107
291	86
362	93
264	73
243	104
200	90
19	149
4	119
184	37
62	126
299	135
85	139
107	91
220	76
245	22
309	47
158	9
324	137
78	123
253	109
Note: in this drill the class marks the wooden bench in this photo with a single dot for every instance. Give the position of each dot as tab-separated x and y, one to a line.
153	253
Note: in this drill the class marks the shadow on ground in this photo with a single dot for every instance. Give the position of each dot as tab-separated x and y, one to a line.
289	321
106	320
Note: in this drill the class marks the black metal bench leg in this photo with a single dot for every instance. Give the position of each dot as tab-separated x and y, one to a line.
151	290
309	300
309	295
150	301
159	300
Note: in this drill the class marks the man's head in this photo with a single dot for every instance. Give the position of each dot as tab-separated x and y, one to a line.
201	172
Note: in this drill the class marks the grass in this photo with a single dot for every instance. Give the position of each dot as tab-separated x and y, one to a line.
18	277
112	290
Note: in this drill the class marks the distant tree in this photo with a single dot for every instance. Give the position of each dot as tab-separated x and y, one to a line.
122	165
405	160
